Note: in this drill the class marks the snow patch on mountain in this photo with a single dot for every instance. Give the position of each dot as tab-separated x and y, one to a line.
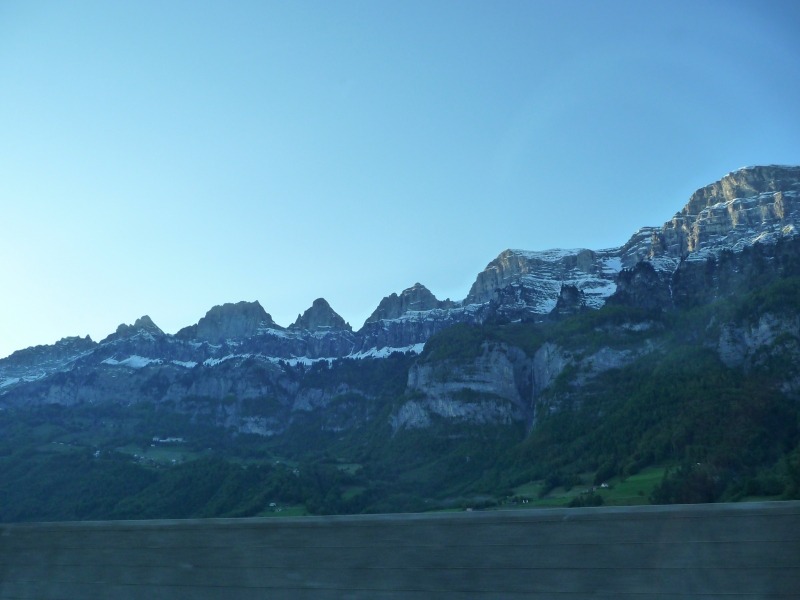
664	264
9	381
134	361
371	353
387	351
551	255
187	364
612	264
212	362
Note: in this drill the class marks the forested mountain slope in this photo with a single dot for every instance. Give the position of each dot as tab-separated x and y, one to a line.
665	370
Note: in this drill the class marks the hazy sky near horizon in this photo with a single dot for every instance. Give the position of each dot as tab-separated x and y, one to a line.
163	157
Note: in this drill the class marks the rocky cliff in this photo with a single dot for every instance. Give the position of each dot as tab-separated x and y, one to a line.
230	322
493	387
320	317
732	235
753	204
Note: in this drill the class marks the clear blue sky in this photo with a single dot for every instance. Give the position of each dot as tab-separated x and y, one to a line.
163	157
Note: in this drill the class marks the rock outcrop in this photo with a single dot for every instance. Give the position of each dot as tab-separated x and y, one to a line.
744	345
40	362
492	388
230	322
143	326
753	204
320	317
417	298
732	235
541	276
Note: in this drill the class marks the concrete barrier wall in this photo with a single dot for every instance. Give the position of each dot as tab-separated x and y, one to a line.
706	552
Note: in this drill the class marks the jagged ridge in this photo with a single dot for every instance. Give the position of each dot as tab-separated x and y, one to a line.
748	206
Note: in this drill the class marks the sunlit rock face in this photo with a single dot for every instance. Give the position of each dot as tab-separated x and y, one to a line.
748	182
740	229
753	204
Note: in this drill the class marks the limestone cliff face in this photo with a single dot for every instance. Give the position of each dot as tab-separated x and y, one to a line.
499	371
548	363
493	388
731	232
748	182
707	277
770	338
746	345
744	207
503	384
539	277
316	398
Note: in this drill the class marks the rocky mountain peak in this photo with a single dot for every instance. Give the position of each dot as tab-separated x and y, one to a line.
146	323
142	325
753	204
36	355
744	183
75	341
570	301
320	317
413	299
230	321
536	278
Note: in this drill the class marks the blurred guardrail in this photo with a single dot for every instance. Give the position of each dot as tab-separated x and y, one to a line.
717	551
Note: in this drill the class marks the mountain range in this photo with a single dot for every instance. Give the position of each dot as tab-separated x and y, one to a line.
749	206
537	335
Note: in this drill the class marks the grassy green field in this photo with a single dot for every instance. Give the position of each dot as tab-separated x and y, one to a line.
627	491
632	490
161	454
285	511
529	495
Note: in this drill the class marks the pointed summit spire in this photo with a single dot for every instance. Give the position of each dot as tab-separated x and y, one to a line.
233	321
320	317
415	298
